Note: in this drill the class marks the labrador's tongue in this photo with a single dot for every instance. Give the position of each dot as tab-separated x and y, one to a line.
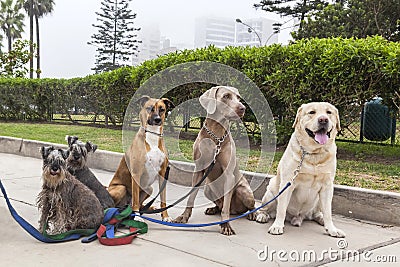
321	138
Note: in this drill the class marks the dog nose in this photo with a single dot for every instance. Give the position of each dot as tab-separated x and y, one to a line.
323	120
54	168
157	120
76	157
242	108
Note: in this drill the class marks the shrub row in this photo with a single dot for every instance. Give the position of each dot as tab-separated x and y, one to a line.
345	72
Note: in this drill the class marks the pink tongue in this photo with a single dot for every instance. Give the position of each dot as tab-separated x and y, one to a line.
321	138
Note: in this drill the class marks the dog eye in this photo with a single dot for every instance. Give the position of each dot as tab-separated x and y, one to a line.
329	112
162	110
311	112
227	96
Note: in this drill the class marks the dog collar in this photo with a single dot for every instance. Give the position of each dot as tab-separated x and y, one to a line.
218	139
147	131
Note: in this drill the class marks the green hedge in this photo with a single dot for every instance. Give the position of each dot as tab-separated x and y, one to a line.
345	72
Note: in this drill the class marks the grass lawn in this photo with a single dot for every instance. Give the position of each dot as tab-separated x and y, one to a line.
362	165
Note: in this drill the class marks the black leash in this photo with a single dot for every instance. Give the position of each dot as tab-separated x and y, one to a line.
146	210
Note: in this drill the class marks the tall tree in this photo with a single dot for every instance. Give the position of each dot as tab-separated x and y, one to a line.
11	20
115	41
354	18
37	9
298	9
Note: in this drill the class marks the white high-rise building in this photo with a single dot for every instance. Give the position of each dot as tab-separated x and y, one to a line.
223	32
216	31
150	45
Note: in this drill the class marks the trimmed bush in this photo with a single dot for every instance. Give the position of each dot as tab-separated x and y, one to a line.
345	72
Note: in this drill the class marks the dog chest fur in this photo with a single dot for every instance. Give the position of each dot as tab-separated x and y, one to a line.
155	157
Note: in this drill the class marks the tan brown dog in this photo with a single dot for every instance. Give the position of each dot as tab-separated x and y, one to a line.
312	147
225	185
147	159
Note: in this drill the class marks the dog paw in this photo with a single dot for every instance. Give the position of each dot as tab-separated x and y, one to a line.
226	229
296	221
212	211
262	217
336	232
252	216
167	219
275	230
181	219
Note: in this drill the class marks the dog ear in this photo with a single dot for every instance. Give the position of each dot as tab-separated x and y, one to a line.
90	147
168	103
337	119
296	121
71	139
45	151
208	100
64	153
143	100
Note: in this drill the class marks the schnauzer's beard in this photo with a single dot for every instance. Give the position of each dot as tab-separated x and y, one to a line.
53	181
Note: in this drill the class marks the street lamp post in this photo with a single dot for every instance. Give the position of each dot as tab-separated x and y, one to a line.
250	30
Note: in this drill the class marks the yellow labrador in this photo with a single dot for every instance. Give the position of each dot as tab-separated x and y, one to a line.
310	195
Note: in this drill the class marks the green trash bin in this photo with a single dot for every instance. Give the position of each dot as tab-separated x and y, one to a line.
377	123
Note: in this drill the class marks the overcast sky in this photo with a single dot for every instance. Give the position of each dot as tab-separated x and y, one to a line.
65	33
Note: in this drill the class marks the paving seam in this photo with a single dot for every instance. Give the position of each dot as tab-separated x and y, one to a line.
360	251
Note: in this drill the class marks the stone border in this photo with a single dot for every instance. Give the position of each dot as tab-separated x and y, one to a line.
358	203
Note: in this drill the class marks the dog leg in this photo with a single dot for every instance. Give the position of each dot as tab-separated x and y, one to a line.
226	228
135	192
163	197
118	193
245	201
263	215
283	201
209	194
326	195
184	217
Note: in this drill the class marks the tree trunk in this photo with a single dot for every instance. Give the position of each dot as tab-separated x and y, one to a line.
37	48
9	41
115	34
31	38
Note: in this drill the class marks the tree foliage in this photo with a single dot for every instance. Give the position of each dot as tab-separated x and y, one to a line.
298	9
13	63
354	18
11	20
115	40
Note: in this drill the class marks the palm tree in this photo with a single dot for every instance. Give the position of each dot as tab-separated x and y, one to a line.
40	9
11	20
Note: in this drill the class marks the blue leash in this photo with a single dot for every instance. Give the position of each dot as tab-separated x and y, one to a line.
113	212
29	228
188	225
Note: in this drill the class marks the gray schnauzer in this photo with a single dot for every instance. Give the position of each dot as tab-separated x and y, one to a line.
64	202
76	165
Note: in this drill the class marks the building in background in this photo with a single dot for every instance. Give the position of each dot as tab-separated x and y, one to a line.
223	32
150	45
216	31
153	44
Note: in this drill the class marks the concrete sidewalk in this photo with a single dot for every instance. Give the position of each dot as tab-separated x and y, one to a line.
166	246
